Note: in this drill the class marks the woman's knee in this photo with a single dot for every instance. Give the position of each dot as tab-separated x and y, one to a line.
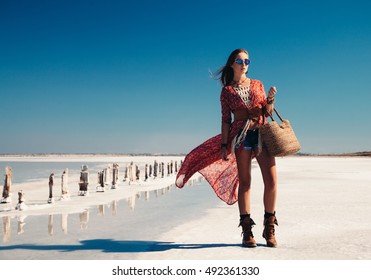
245	186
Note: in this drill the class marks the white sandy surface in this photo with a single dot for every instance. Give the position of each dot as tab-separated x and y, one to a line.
323	214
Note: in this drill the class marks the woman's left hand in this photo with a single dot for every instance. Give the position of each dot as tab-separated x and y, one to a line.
272	91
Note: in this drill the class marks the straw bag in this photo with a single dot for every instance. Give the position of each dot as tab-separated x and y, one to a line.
279	139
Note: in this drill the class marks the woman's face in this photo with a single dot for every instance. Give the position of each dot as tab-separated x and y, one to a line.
240	69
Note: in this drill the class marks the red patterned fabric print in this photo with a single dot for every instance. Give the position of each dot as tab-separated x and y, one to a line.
206	159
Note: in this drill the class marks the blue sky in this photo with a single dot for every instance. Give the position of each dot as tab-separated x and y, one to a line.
133	76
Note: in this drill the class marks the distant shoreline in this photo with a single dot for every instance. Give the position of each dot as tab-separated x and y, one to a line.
92	154
354	154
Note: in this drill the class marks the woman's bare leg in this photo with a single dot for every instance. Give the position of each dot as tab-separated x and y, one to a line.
268	169
243	158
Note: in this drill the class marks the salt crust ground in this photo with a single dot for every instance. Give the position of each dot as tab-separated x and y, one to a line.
323	214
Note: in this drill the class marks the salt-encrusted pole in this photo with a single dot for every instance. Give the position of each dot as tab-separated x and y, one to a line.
21	205
7	185
162	170
155	169
106	175
176	167
168	169
131	172
115	175
137	172
84	181
51	184
171	167
64	185
150	170
146	172
126	173
100	187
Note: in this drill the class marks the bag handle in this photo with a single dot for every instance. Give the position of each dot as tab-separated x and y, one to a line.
271	115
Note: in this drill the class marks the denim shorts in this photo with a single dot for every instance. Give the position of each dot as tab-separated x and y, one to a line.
251	140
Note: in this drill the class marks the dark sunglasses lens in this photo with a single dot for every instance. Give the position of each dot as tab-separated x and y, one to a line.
239	61
247	61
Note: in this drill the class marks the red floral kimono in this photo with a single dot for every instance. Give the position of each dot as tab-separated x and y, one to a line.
206	158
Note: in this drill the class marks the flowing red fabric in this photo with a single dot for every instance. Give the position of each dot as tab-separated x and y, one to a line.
206	158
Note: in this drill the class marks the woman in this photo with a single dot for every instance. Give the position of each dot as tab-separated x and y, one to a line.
225	160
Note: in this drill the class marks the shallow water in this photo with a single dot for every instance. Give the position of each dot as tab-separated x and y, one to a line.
127	226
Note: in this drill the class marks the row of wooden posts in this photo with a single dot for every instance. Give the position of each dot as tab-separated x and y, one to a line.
131	175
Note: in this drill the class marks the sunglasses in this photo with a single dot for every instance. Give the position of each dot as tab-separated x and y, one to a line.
240	61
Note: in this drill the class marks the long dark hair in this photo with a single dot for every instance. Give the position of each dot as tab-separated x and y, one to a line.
226	72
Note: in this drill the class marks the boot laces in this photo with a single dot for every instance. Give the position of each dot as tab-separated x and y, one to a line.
246	227
270	230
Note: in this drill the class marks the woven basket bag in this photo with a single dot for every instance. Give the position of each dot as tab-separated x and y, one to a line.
280	139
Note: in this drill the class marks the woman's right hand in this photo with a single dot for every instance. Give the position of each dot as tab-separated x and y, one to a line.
224	153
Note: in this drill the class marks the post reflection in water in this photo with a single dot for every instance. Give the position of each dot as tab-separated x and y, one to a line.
101	210
21	223
65	223
84	216
6	229
84	219
50	224
114	207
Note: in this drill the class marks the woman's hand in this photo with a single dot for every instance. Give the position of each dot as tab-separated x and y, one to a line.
272	92
224	153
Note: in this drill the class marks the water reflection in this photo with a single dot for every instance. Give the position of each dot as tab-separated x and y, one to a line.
21	223
144	195
84	219
101	210
6	229
114	207
50	225
65	223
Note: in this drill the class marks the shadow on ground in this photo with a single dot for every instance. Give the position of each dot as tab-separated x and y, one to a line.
116	246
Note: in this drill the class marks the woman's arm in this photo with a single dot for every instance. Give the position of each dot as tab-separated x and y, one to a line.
270	99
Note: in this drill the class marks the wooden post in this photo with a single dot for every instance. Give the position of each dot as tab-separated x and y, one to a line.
100	187
84	181
126	174
51	184
21	205
155	169
7	185
64	185
115	175
150	170
146	172
137	172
